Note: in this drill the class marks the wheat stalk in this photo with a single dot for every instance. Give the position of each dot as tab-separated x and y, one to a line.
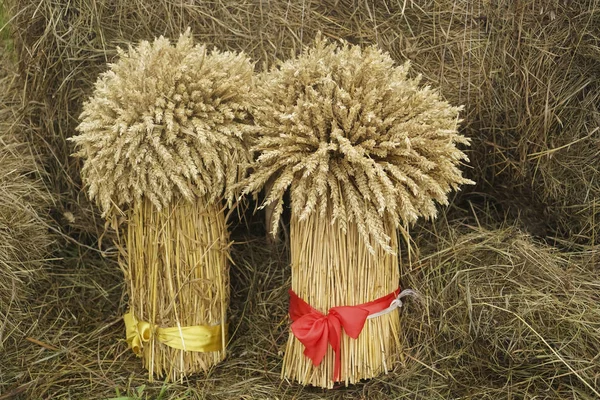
364	151
164	140
331	268
175	263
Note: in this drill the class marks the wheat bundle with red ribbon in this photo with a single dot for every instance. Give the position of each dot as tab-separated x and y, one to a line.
164	142
364	150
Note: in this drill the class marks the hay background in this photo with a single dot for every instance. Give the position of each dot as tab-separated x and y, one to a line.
528	73
25	237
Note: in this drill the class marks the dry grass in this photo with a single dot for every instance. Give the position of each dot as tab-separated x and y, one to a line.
505	316
333	268
24	236
528	75
500	316
24	202
527	72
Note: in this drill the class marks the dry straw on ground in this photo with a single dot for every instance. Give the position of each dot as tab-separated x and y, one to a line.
522	292
24	234
528	74
24	202
364	150
510	316
163	140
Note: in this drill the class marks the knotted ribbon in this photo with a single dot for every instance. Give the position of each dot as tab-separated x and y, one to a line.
315	330
202	338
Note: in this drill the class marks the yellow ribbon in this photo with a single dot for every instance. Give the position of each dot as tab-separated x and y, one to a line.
190	338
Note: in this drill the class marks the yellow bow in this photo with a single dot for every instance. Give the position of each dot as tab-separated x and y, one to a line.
190	338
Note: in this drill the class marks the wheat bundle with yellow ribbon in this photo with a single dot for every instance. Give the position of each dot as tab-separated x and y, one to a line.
364	150
164	141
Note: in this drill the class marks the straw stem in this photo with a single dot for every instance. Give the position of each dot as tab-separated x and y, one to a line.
177	275
332	268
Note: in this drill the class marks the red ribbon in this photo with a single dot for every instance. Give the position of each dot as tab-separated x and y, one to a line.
314	329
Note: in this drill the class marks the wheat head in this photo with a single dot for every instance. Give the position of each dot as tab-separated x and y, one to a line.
344	126
167	120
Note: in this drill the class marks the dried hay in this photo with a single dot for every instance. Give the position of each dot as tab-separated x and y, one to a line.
472	275
24	201
513	99
24	235
505	316
528	73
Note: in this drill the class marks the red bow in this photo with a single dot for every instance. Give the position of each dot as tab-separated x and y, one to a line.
314	330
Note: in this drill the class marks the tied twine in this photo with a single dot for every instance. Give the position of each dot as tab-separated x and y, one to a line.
396	303
200	338
315	330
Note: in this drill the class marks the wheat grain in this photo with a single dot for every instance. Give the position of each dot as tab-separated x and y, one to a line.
164	140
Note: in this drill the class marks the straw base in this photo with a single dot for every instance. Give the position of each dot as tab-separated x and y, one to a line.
177	275
330	268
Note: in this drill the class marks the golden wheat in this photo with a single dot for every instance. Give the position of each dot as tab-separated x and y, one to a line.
166	120
342	125
364	151
164	140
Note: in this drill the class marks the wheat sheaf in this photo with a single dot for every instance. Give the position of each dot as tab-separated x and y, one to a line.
167	120
343	127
